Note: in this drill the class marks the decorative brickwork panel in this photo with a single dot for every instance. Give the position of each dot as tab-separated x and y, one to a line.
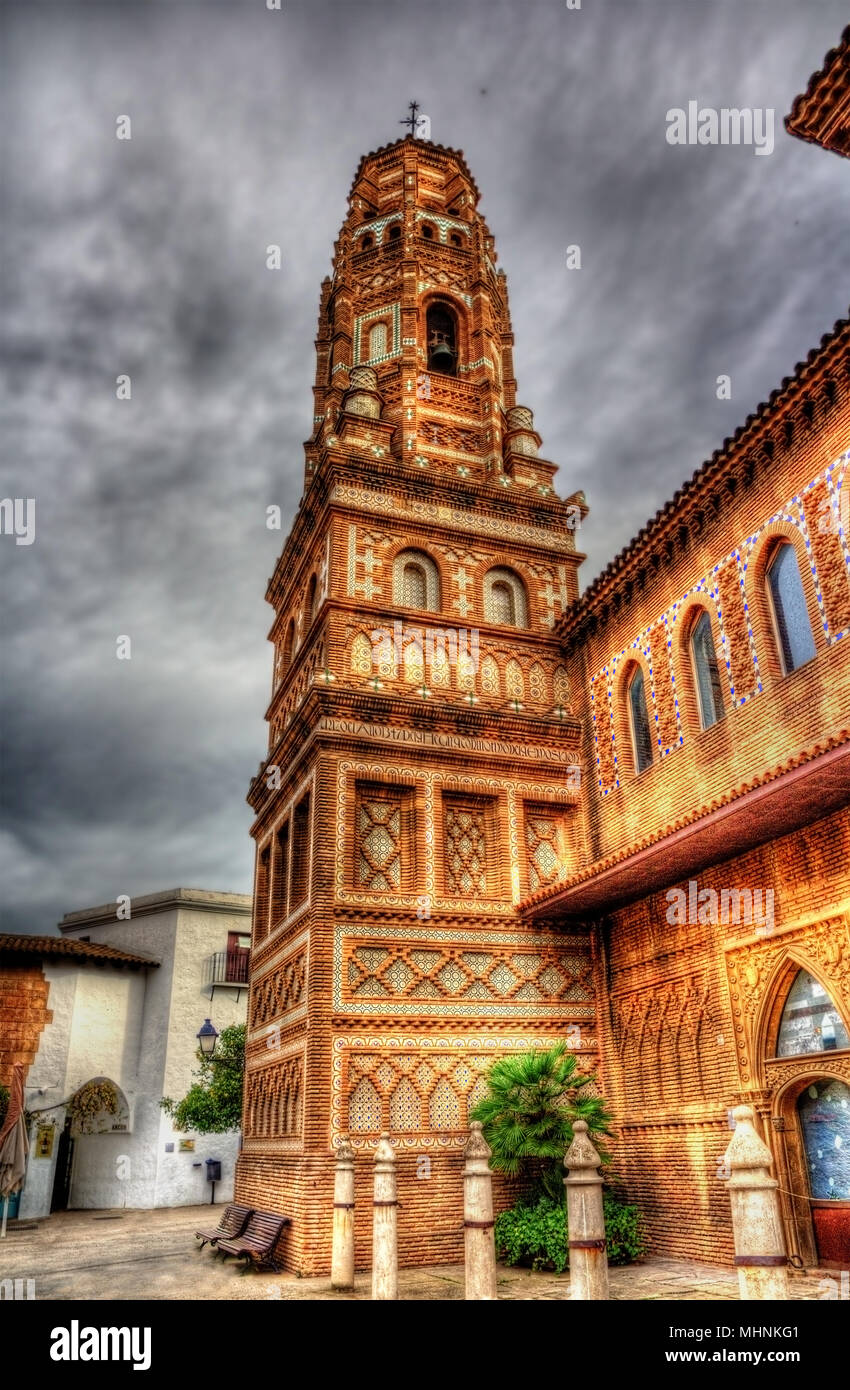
828	556
603	730
379	840
659	1037
743	675
466	847
421	1089
426	972
281	990
545	842
274	1100
667	724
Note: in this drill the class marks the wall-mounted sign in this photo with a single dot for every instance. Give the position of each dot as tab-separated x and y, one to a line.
44	1141
187	1146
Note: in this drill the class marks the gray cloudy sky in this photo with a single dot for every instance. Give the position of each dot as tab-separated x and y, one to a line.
148	257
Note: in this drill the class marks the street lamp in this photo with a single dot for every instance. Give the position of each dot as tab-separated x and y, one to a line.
207	1038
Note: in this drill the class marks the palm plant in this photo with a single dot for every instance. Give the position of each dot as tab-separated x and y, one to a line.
528	1114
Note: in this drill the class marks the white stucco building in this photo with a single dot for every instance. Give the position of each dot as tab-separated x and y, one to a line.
129	1016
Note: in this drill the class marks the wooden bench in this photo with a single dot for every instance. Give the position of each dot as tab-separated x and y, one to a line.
232	1224
257	1242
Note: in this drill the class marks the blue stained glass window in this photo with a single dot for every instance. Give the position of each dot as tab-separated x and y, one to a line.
707	675
793	629
641	732
824	1111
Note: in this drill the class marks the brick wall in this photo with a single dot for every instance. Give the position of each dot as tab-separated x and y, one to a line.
23	1014
680	1026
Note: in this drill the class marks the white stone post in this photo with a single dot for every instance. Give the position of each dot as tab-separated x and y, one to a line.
385	1223
342	1258
585	1218
478	1243
756	1218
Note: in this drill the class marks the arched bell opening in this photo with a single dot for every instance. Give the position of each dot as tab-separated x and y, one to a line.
441	337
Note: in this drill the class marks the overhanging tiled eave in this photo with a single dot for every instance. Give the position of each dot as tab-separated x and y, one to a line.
802	795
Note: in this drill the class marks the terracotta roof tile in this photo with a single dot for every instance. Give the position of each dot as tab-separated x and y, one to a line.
66	946
821	114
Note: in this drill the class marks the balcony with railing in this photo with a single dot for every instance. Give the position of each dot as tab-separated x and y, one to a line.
227	970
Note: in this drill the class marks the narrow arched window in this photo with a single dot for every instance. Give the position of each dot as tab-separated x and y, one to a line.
366	243
639	720
428	232
788	607
706	674
416	581
395	233
504	598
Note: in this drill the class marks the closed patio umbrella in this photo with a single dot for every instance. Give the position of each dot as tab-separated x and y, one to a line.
14	1144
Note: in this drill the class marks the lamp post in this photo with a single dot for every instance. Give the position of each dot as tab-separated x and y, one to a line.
207	1037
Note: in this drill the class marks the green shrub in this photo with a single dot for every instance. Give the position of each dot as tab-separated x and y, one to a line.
534	1233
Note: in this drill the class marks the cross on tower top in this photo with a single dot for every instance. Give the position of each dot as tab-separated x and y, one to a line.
410	120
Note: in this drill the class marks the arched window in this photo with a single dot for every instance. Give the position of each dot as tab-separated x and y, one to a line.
823	1109
377	340
504	598
395	233
455	239
441	338
706	674
416	581
428	232
367	243
810	1021
788	607
639	720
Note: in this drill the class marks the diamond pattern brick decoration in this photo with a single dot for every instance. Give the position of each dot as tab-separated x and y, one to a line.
379	843
542	837
465	850
411	974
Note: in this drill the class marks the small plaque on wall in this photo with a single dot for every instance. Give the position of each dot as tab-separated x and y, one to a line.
44	1141
187	1146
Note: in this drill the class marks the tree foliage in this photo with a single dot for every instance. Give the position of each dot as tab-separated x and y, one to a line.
533	1100
213	1103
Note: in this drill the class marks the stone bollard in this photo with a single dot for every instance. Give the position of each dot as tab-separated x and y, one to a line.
385	1223
478	1243
756	1219
342	1258
585	1218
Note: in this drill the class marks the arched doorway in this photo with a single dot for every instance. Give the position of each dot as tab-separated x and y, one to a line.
810	1068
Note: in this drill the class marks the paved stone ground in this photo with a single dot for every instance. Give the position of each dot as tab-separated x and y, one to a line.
153	1255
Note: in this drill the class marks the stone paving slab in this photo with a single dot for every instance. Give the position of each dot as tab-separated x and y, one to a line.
153	1255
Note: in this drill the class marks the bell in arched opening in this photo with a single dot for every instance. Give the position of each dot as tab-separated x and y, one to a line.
442	348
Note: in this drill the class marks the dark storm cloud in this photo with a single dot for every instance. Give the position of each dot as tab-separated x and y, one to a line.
147	257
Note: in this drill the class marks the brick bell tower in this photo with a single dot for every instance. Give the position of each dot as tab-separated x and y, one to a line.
422	774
